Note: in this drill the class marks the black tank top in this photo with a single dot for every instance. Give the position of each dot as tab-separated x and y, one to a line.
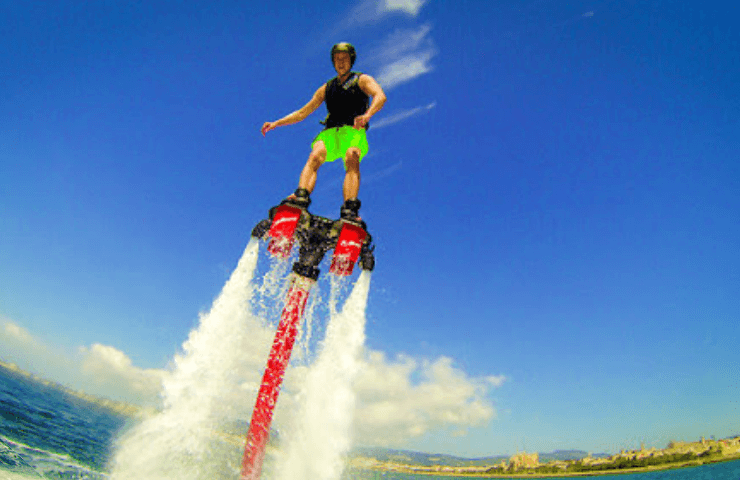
345	101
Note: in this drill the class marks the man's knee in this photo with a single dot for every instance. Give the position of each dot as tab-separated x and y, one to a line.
352	159
317	156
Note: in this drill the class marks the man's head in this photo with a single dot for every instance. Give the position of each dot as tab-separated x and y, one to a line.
343	56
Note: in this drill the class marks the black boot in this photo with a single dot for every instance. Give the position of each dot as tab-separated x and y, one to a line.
300	198
350	209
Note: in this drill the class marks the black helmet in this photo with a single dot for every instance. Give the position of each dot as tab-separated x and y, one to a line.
344	47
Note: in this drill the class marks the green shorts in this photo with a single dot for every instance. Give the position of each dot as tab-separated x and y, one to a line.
340	139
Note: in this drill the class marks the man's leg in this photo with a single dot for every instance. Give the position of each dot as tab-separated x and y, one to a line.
351	186
310	170
307	180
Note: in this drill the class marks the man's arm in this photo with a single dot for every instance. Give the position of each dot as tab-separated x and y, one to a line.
298	115
371	88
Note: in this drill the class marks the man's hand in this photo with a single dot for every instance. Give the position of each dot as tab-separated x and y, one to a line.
361	121
267	127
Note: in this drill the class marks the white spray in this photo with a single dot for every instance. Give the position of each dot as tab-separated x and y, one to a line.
204	393
209	395
321	437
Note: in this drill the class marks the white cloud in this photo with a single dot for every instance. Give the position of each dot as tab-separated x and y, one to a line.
98	370
402	115
19	334
368	11
496	381
394	408
113	370
405	55
404	41
19	346
411	7
404	70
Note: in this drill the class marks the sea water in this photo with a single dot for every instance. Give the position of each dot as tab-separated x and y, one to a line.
48	433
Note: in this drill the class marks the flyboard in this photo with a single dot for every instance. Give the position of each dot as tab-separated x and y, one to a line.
287	224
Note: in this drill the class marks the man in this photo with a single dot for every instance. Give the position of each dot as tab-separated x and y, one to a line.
347	101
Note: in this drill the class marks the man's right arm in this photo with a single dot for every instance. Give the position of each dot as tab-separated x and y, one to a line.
298	115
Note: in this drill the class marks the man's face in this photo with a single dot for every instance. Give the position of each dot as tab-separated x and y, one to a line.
342	62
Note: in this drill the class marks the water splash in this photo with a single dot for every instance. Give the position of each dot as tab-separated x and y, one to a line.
212	384
209	395
322	435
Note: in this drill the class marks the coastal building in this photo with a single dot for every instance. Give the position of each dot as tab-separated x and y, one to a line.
524	460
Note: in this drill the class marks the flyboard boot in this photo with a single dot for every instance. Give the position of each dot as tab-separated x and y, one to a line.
301	198
350	210
316	235
353	241
282	222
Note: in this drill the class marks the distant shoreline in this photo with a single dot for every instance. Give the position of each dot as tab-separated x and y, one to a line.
677	455
624	471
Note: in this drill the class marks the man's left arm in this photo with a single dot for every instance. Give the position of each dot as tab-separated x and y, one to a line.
373	89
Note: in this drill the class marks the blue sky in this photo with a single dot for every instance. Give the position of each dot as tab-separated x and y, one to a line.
554	190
